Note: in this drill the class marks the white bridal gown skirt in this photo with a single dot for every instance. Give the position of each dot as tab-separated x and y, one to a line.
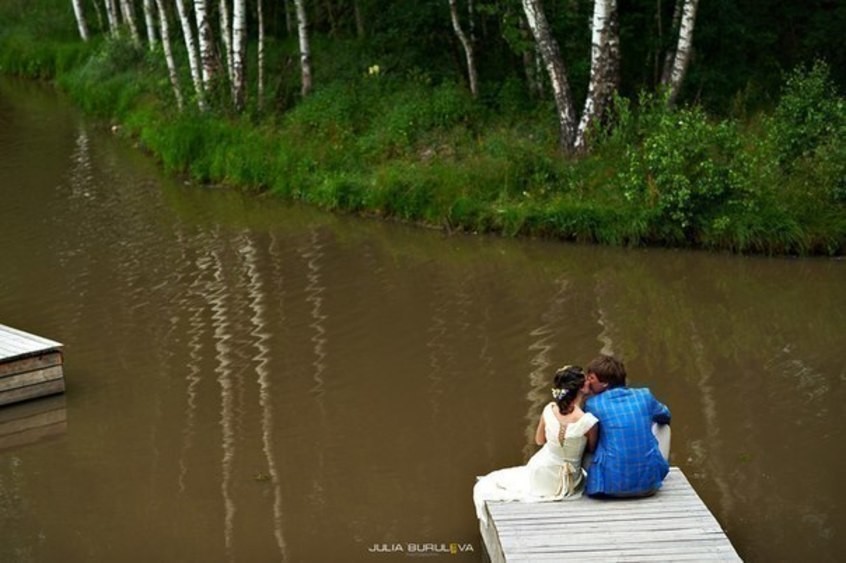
547	477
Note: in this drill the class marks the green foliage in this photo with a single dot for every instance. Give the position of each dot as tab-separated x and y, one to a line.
809	115
686	170
110	81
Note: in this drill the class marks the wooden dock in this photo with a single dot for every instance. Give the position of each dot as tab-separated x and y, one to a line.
30	366
672	525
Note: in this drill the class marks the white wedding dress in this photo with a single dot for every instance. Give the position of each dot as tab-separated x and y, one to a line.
553	473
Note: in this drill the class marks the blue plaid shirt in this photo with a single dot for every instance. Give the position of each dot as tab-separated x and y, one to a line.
627	459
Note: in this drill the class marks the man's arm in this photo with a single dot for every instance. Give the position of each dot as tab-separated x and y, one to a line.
660	412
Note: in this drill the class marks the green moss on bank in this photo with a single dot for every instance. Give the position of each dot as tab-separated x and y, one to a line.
404	146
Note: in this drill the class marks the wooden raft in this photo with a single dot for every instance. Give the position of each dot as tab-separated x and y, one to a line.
30	366
672	525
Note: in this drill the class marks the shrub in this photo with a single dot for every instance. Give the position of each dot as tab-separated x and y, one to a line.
810	114
685	171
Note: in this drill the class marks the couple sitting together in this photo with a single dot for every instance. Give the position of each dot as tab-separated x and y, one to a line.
592	412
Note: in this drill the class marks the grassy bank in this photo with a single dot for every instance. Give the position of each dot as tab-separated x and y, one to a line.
402	144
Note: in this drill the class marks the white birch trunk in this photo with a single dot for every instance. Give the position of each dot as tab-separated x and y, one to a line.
150	23
206	42
191	47
260	92
669	57
128	13
602	69
168	52
682	56
305	50
226	34
557	73
239	52
80	19
468	48
111	14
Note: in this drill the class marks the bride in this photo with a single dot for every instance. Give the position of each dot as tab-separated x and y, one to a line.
555	471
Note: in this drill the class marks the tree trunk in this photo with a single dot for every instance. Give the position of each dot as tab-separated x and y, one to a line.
150	23
468	48
80	19
239	53
330	16
205	41
603	69
128	13
471	21
359	22
168	51
669	57
682	56
99	13
260	93
557	73
191	47
305	50
531	66
289	27
226	34
111	14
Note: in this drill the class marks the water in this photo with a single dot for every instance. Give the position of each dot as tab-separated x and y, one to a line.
252	381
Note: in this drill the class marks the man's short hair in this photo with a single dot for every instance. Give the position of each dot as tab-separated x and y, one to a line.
608	369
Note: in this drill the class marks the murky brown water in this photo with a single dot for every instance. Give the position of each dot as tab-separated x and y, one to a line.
249	381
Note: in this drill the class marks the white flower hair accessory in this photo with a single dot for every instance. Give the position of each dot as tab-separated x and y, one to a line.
559	394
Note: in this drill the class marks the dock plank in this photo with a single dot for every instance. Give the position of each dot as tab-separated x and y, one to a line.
30	378
30	366
672	525
30	363
32	392
16	343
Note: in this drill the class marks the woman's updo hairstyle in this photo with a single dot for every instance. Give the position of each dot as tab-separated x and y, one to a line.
566	385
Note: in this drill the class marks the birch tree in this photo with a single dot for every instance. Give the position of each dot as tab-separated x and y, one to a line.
670	54
681	57
111	15
551	55
150	23
305	50
226	35
80	19
604	68
164	30
260	17
239	52
205	41
468	47
128	13
99	15
191	47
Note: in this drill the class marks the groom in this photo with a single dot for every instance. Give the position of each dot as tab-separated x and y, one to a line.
627	462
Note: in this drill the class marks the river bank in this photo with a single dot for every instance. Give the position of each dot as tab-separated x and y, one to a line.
401	145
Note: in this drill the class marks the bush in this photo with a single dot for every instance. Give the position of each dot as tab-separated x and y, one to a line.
810	114
685	171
